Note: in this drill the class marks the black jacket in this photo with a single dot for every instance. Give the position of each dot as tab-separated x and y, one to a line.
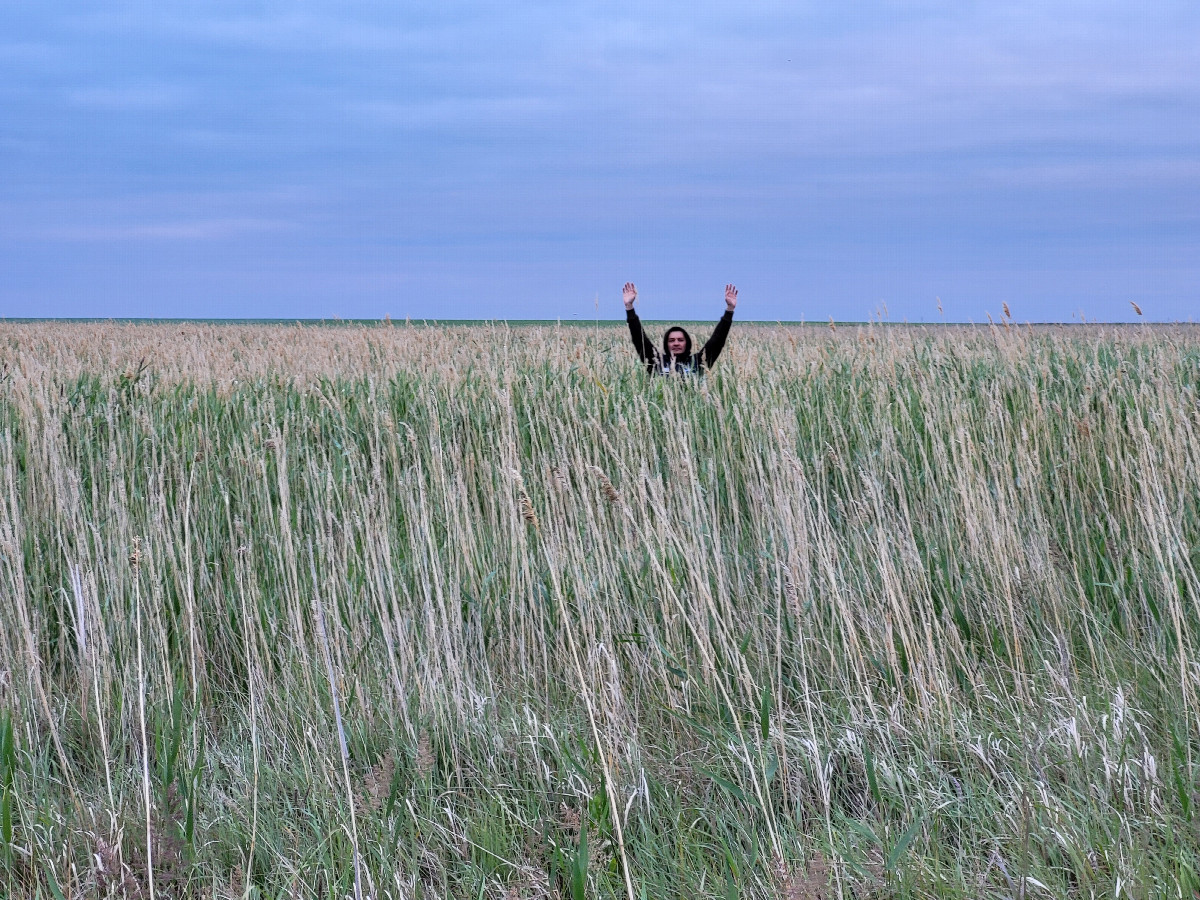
655	359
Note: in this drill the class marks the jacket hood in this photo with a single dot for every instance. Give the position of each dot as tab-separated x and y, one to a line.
687	342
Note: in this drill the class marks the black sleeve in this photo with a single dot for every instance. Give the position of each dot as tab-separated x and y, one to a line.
716	343
645	350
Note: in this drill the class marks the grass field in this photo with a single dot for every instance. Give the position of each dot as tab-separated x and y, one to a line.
481	612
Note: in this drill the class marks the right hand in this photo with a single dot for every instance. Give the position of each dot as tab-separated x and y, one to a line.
629	294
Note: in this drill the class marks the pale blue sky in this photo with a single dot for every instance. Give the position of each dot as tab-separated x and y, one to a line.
463	159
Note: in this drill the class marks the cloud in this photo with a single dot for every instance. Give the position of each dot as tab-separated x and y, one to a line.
450	111
135	98
35	55
188	230
170	217
726	132
284	28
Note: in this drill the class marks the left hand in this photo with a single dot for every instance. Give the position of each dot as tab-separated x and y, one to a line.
730	297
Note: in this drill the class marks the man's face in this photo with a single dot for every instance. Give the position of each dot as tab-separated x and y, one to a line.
676	343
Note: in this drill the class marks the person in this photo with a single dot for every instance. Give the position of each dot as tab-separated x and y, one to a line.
676	355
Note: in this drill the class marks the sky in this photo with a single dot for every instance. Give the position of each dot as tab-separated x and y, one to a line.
458	159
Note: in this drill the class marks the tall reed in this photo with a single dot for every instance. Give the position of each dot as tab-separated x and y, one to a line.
482	611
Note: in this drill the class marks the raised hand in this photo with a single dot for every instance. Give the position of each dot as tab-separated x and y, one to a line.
730	297
629	294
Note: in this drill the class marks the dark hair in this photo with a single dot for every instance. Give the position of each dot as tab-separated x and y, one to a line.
687	341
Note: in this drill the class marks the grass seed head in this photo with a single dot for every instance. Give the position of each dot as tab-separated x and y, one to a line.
425	759
527	510
570	821
812	884
558	475
377	784
606	487
112	878
790	594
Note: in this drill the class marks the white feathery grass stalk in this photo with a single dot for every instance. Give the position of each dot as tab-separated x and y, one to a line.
319	610
141	683
33	658
190	584
80	613
710	665
91	667
251	677
614	808
102	727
